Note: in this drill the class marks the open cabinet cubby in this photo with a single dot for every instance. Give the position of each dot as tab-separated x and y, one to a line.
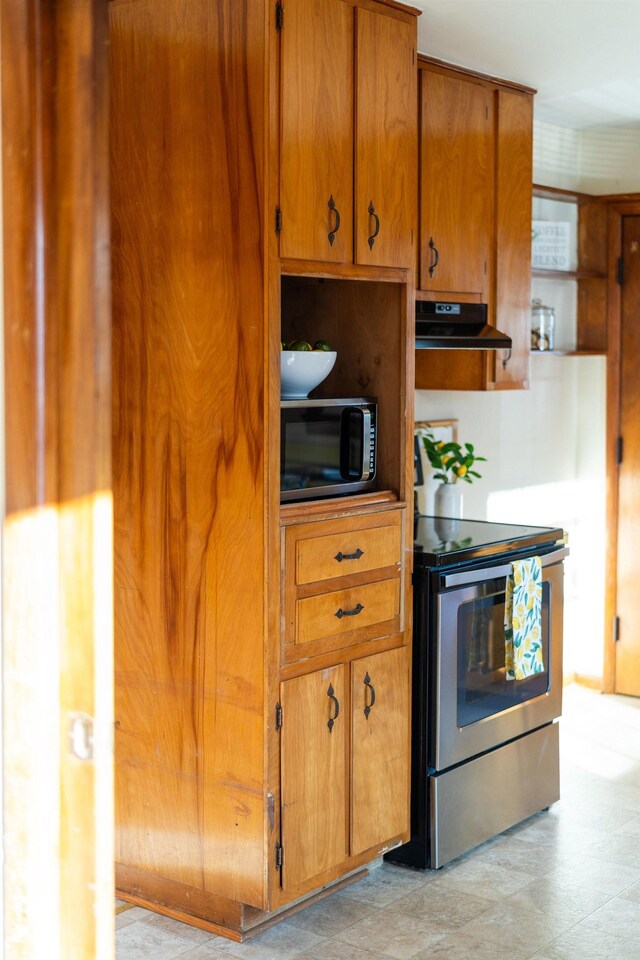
364	321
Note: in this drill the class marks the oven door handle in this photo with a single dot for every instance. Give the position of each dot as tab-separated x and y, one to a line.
492	573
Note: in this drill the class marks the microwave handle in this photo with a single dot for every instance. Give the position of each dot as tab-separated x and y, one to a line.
492	573
365	442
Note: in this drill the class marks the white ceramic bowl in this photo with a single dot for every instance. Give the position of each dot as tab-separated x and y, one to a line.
302	370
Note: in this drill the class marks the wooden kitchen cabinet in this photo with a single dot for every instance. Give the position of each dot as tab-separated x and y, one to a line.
348	107
475	232
456	185
315	783
207	785
345	770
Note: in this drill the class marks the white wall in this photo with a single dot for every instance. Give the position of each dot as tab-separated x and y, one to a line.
545	466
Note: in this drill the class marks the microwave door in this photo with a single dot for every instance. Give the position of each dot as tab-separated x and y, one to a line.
355	443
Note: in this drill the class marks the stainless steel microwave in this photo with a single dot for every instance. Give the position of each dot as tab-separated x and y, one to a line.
327	447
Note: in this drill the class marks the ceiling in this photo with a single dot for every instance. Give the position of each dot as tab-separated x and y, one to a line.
582	56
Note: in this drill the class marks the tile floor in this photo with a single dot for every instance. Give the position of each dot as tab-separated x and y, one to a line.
564	885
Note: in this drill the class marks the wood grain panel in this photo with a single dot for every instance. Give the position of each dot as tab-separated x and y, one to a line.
386	145
380	748
627	650
188	182
314	774
350	551
317	130
514	159
456	183
56	545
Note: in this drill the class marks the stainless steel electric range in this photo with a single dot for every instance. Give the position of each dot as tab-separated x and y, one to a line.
484	749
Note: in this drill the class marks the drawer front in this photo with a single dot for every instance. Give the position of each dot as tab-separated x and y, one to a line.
350	551
344	611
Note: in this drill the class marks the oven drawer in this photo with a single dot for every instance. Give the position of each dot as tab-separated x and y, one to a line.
345	611
352	550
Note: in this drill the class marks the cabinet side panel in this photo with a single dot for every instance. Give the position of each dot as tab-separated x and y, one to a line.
187	115
513	235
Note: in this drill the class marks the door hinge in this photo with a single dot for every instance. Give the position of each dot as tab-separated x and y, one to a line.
279	856
278	220
620	276
278	716
279	15
619	450
616	629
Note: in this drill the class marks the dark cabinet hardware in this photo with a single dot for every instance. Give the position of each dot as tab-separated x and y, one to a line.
370	687
372	213
336	704
505	359
349	556
336	226
349	613
436	257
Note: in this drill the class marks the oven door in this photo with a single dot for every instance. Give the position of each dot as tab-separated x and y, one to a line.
476	708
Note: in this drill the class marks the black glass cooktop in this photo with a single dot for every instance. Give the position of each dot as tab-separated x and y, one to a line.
440	541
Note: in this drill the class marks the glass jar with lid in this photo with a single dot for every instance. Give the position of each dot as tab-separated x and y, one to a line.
543	323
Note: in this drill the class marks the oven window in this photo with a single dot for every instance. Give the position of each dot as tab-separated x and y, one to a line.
483	689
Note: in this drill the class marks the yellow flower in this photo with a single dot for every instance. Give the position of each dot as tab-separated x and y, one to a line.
517	576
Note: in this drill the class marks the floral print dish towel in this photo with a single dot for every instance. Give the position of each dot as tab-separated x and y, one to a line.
523	620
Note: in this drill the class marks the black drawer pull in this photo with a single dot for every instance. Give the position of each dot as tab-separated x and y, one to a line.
349	556
369	686
349	613
436	257
336	703
372	213
332	233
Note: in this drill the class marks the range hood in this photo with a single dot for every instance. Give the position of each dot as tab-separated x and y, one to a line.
456	326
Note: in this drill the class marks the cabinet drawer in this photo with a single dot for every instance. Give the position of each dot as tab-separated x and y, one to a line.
345	611
350	551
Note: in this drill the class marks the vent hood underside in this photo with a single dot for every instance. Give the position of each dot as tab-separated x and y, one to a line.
456	326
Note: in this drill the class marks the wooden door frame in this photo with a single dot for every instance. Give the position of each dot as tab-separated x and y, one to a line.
57	656
618	207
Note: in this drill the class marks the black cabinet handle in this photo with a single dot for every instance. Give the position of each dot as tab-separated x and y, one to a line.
372	213
436	257
370	687
336	226
506	359
336	704
349	613
349	556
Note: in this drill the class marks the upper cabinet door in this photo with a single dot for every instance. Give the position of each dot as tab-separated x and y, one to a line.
456	177
513	234
316	187
386	140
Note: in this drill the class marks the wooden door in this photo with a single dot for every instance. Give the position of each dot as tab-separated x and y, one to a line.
514	159
314	774
386	140
57	655
456	176
627	649
379	748
316	178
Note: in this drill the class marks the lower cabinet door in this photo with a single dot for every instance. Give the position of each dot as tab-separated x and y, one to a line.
379	748
314	773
